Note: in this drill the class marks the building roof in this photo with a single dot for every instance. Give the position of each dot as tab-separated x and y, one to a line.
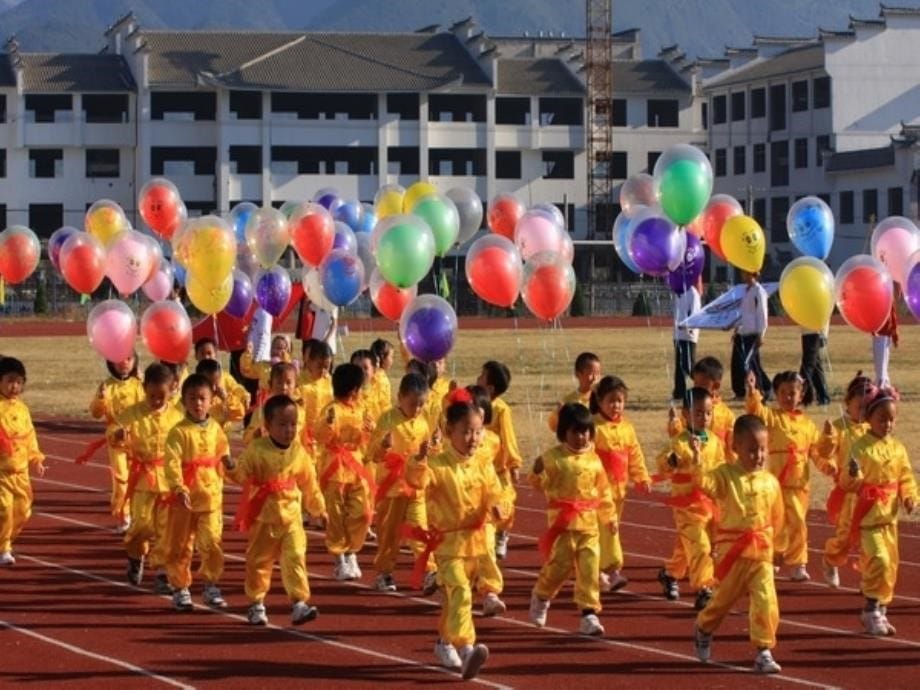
861	159
644	76
57	72
311	61
798	59
536	76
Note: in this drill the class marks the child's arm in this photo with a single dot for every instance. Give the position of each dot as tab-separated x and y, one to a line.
249	368
907	484
172	457
553	420
99	405
777	511
36	457
852	479
753	401
675	423
418	473
817	450
606	510
236	401
510	449
536	474
325	430
638	472
312	498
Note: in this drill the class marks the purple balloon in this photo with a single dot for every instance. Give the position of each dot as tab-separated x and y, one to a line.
241	297
273	290
656	245
912	291
691	268
56	241
429	334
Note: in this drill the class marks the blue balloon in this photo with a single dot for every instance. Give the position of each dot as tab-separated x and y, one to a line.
342	276
179	272
368	219
56	241
622	231
239	216
810	223
349	212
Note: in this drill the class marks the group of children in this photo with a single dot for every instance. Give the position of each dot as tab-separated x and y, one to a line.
437	471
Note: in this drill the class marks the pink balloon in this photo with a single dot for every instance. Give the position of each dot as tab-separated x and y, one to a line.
112	330
128	261
159	285
537	232
893	241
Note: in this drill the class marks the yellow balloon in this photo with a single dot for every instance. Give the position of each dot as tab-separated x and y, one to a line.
105	222
210	249
389	201
806	290
743	243
208	299
416	193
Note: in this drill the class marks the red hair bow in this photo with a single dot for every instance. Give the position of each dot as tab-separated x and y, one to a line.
459	395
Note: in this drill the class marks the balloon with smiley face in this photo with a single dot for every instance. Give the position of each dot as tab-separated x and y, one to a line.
129	261
744	243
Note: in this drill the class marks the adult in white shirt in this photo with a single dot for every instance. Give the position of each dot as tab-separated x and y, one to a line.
325	325
812	368
686	305
748	338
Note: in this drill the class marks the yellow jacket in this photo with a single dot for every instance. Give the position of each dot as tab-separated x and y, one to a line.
369	398
346	433
884	470
315	394
382	390
488	451
836	446
723	424
117	396
233	408
193	462
145	440
18	442
712	455
503	425
408	435
570	476
576	396
260	371
618	442
256	423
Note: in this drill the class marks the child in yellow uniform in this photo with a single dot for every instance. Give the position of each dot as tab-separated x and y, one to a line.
575	484
442	384
693	511
142	430
460	494
278	483
315	387
751	515
707	373
206	348
434	407
371	397
495	377
261	371
117	393
617	446
794	440
282	380
880	474
835	443
587	373
18	450
341	434
197	452
383	352
228	405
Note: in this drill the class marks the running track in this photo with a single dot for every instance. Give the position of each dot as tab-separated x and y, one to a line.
68	617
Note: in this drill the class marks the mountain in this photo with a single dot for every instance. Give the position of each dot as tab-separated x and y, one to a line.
700	27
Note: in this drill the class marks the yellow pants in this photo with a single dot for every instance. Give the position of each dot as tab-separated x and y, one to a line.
270	543
489	575
185	529
346	506
15	506
456	622
878	562
148	524
611	549
692	555
792	540
837	548
391	514
509	497
752	578
578	552
118	466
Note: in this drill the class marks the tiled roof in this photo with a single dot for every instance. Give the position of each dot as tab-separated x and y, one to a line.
644	76
536	76
56	72
861	159
794	60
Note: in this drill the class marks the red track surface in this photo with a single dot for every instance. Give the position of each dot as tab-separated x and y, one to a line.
79	625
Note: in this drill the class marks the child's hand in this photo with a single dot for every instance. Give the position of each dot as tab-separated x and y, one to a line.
40	472
120	435
228	463
436	438
644	487
100	392
672	414
538	466
423	450
613	527
330	416
497	513
387	441
909	505
750	382
185	499
220	393
828	428
368	425
515	474
673	461
853	468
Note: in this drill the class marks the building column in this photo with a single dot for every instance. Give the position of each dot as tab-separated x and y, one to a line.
490	146
383	139
222	164
266	148
423	136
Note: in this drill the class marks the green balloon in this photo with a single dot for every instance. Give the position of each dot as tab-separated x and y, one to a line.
441	215
405	253
683	190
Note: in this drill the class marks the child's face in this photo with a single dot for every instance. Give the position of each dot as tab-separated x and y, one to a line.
11	385
411	404
318	366
197	403
440	366
387	361
789	395
578	439
284	384
855	407
367	366
279	348
881	420
206	351
699	417
483	382
466	434
158	394
704	381
125	366
613	404
588	376
215	380
751	449
282	427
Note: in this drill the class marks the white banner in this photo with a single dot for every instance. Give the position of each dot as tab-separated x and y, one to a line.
724	312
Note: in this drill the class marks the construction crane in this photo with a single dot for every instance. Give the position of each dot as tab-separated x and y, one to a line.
599	92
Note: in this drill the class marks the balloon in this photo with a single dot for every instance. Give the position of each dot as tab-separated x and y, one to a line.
893	241
806	290
404	250
810	223
56	241
623	228
246	260
537	232
504	213
158	203
656	245
239	218
273	289
210	248
567	248
83	262
428	328
207	298
241	295
638	191
864	292
180	273
390	300
469	207
312	232
350	212
366	255
494	270
342	274
167	331
128	261
267	235
743	243
368	219
441	215
287	208
105	219
912	288
684	177
20	252
416	192
389	201
313	285
329	198
710	223
548	285
178	221
691	268
159	285
155	251
553	211
344	238
112	330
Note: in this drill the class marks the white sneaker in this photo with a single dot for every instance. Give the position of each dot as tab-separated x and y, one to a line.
371	535
430	583
888	626
832	576
473	656
384	583
603	583
591	625
447	655
123	526
702	643
538	610
302	613
800	574
492	605
342	571
7	560
353	566
182	600
212	597
256	615
874	623
617	581
501	545
764	663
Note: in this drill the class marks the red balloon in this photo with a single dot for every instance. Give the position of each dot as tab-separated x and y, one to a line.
83	263
708	225
504	213
864	298
548	291
312	233
392	301
19	255
494	273
167	331
159	207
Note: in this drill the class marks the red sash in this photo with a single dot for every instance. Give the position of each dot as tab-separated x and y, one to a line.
616	464
343	458
792	455
6	441
869	495
90	451
190	469
745	539
395	465
252	502
694	498
139	467
569	509
432	538
835	504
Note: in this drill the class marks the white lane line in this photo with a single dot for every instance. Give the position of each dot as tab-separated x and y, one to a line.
93	655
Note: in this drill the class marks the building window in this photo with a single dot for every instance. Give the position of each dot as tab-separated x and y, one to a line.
46	162
799	96
324	160
759	212
895	201
822	95
704	114
740	160
826	198
758	103
718	110
737	106
404	105
246	105
801	153
45	218
245	160
721	164
2	215
619	165
779	163
103	163
3	163
847	212
779	208
183	105
182	160
457	162
618	114
822	146
650	159
760	158
403	160
559	165
512	111
870	205
3	109
48	108
324	106
508	165
662	112
107	108
561	111
777	107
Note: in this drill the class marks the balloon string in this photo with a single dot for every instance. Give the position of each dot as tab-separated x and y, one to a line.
528	398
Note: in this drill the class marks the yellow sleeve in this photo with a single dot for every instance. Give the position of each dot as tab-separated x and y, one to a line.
313	501
675	426
825	463
778	513
638	472
36	457
661	461
606	511
173	462
553	420
249	368
753	404
510	449
375	445
98	407
907	483
712	483
419	476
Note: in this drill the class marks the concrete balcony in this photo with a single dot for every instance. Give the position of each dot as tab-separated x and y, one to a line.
457	135
194	187
401	133
562	137
293	187
182	133
244	186
122	135
241	133
515	137
50	134
294	132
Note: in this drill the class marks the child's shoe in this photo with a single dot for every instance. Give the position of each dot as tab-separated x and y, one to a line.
617	581
430	583
874	623
832	576
135	571
182	600
501	545
591	625
7	560
538	610
702	598
764	663
256	615
473	657
888	626
385	583
447	655
302	613
342	571
603	583
668	585
161	584
212	597
702	643
492	605
353	568
123	526
800	574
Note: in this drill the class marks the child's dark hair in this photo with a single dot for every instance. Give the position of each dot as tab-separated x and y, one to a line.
860	387
710	367
316	349
381	348
201	342
274	405
879	396
280	337
584	360
482	400
606	386
358	355
134	373
498	376
278	370
158	374
11	365
413	383
694	395
748	424
574	417
425	369
172	366
196	380
347	379
787	377
207	367
458	411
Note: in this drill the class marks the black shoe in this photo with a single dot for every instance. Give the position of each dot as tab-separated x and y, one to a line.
161	584
135	571
702	598
668	585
